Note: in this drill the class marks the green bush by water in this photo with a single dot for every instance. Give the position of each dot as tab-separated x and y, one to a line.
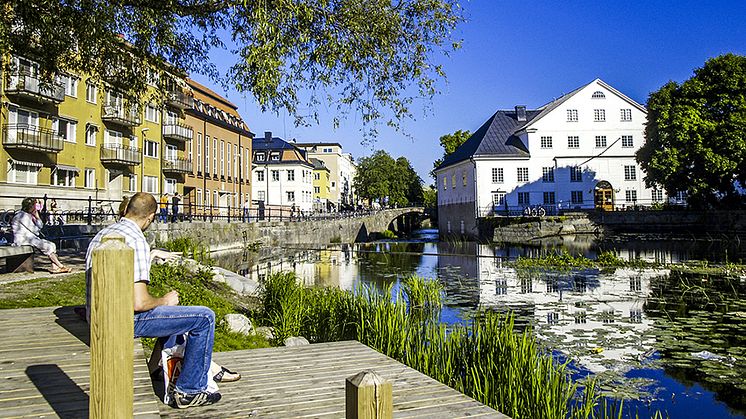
189	248
487	360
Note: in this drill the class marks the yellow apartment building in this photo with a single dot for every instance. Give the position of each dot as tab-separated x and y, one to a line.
321	186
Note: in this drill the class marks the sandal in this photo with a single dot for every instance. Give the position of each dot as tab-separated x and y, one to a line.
62	270
226	376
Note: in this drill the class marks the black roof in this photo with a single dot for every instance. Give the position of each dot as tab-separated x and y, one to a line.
496	137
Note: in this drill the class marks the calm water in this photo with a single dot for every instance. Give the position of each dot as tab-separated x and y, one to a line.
672	342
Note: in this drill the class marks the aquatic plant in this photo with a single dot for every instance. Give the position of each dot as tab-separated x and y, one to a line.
388	234
189	248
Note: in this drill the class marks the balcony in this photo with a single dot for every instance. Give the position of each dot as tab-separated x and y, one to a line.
179	100
31	87
26	137
119	114
178	132
177	166
120	154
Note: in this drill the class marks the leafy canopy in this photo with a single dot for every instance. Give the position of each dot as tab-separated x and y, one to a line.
360	56
450	142
696	134
380	176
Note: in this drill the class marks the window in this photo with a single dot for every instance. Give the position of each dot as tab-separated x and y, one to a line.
599	115
463	177
170	153
150	184
274	156
573	141
497	175
189	154
113	137
133	183
214	156
523	198
547	174
316	176
260	175
316	189
327	150
71	85
24	118
26	173
199	198
63	177
453	181
207	161
657	195
170	186
260	195
548	198
498	199
627	141
576	174
291	175
600	141
523	174
572	115
228	160
576	197
598	95
546	142
89	181
91	131
626	115
91	92
275	176
259	156
151	113
629	173
334	184
630	196
150	149
65	129
445	182
291	196
222	158
199	153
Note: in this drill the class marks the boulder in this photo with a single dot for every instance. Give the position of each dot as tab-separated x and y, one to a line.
266	331
239	323
296	341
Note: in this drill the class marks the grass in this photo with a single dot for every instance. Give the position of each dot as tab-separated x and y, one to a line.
487	360
44	292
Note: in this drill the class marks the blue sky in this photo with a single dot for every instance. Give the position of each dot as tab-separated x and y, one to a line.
530	53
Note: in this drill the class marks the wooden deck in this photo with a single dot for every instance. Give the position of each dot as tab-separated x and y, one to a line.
45	364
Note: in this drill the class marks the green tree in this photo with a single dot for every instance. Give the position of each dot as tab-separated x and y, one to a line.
362	56
695	137
380	176
450	142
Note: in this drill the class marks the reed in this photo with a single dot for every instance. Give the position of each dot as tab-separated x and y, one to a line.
487	360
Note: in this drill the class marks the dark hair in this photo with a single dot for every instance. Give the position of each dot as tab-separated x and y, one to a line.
123	206
28	204
141	205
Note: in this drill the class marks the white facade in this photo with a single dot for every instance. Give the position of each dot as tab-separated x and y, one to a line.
556	157
341	167
283	185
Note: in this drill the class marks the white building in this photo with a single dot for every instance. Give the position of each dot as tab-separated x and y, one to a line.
282	174
342	171
576	152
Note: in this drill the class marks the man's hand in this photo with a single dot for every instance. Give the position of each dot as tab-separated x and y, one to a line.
170	299
156	254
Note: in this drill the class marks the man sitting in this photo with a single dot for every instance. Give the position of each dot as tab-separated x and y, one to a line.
163	317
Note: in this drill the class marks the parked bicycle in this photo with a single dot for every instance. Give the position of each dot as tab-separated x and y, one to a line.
535	211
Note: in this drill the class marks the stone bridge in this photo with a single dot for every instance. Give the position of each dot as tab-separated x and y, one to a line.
220	235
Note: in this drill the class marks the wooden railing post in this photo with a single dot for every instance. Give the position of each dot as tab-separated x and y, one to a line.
368	396
112	330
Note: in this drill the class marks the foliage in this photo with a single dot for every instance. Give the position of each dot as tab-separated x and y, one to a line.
487	360
388	234
430	198
359	55
450	142
191	248
696	134
380	176
563	259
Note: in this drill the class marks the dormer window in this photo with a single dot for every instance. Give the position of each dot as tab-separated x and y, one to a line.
274	156
260	156
598	95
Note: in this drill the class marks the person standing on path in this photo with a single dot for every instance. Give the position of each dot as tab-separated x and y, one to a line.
175	207
163	206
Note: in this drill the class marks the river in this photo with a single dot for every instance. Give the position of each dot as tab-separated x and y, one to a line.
666	341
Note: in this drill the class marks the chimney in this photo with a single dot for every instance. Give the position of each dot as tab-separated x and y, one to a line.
268	136
520	113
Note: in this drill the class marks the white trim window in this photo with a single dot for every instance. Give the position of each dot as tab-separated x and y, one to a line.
65	129
626	115
113	137
133	183
150	149
199	154
576	174
151	113
215	157
576	197
71	84
572	115
23	173
260	175
291	196
573	141
228	161
275	175
522	174
497	175
89	179
222	158
630	196
657	195
170	186
524	198
547	174
91	92
91	132
546	142
291	175
598	95
627	141
630	173
150	184
207	160
64	178
549	198
600	141
599	115
498	199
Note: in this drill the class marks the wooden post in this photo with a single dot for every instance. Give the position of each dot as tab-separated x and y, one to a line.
112	330
368	396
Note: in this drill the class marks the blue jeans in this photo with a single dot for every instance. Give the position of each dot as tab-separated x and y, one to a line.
170	321
163	217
